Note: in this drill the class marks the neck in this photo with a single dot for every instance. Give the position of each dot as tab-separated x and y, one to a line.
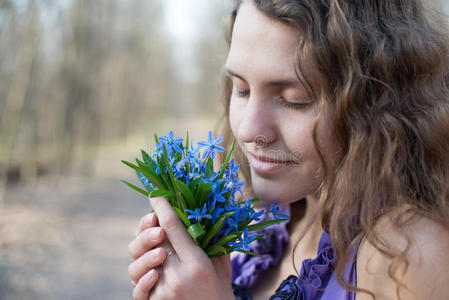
305	225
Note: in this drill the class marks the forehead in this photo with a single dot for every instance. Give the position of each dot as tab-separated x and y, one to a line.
261	45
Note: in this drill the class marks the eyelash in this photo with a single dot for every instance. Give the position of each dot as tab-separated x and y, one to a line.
243	93
291	105
283	102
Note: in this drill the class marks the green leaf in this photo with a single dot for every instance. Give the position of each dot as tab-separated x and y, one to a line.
185	151
161	193
243	225
202	193
131	165
209	172
258	236
179	199
149	188
139	169
166	161
231	237
249	252
186	193
156	139
196	230
135	188
214	251
228	156
151	175
265	224
193	184
215	229
146	158
255	200
183	217
163	175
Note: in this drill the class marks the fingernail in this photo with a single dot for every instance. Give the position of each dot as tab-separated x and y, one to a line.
149	222
155	234
157	251
151	274
153	218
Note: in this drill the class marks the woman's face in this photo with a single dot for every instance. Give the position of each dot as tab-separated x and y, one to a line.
270	113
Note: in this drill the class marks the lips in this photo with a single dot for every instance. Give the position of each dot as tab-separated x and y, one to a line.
267	165
269	159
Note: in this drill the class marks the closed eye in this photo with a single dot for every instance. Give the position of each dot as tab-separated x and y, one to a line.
243	93
292	105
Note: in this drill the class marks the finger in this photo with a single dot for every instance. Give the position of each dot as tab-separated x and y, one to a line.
146	262
223	264
175	231
145	241
172	259
160	290
147	221
146	283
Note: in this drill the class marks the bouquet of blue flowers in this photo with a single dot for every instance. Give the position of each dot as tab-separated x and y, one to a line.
203	198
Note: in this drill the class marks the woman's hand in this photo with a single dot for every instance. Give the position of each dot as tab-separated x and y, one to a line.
147	256
188	273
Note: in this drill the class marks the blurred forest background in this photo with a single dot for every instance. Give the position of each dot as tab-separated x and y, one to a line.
84	84
76	76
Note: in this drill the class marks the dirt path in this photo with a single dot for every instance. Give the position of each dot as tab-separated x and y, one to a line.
68	241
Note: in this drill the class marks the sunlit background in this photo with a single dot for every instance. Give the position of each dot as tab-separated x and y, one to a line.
84	84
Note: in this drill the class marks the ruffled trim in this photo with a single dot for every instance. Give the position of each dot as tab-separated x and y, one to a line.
315	274
246	269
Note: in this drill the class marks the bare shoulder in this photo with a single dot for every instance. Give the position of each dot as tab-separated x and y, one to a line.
426	276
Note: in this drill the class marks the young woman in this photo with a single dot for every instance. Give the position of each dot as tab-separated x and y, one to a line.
341	109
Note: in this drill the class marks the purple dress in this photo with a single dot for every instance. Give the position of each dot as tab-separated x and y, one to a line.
319	282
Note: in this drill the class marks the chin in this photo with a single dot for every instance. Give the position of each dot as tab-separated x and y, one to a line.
271	192
286	191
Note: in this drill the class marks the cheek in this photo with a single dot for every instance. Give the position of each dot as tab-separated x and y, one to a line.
234	117
297	135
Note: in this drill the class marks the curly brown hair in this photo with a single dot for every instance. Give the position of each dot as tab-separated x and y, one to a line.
383	67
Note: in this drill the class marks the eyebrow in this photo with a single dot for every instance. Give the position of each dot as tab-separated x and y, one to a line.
277	82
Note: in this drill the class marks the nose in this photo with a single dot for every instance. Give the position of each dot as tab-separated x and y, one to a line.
258	122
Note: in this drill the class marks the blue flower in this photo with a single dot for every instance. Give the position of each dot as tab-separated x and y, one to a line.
243	241
231	170
191	157
211	146
194	166
218	193
171	143
230	207
232	223
179	171
250	212
217	213
197	214
274	211
193	175
210	179
144	180
235	186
